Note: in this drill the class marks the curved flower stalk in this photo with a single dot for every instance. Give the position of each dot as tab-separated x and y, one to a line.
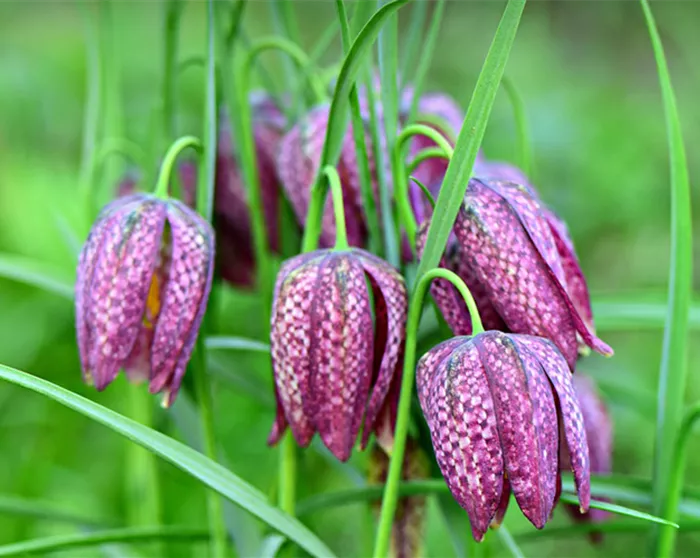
144	277
333	366
507	244
599	433
298	158
409	521
495	404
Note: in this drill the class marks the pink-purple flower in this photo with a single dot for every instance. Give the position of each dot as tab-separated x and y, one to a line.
499	406
144	277
333	363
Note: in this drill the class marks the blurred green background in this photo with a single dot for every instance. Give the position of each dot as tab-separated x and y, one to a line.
588	78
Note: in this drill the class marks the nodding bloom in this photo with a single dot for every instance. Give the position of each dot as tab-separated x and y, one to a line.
599	434
507	243
144	277
232	220
409	519
496	404
298	160
332	364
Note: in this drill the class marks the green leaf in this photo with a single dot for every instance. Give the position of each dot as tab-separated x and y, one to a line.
190	461
509	542
15	506
138	534
35	273
635	313
459	170
632	526
674	366
524	157
223	342
569	498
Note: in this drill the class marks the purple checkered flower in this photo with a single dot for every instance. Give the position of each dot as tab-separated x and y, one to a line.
506	241
599	434
143	283
495	404
333	364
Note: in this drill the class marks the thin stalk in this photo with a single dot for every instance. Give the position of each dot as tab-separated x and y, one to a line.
48	545
408	220
287	28
524	155
425	154
341	235
388	72
130	151
509	542
413	41
144	484
358	131
91	116
173	12
393	480
674	367
166	168
205	197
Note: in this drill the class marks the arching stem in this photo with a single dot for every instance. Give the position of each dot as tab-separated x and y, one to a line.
171	156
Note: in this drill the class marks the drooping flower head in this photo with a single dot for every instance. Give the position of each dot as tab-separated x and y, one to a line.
495	404
333	366
144	277
508	245
599	434
298	160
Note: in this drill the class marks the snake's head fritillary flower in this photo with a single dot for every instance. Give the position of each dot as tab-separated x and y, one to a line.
409	520
508	244
334	364
495	404
232	220
599	434
143	283
298	160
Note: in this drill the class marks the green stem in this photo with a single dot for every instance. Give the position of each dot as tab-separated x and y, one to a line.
173	13
129	150
424	155
413	43
674	366
288	474
341	235
403	202
393	480
166	168
49	545
143	481
524	157
358	130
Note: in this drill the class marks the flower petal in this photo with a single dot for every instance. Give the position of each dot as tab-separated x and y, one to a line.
526	418
340	353
184	298
462	420
559	374
121	280
428	364
391	307
290	342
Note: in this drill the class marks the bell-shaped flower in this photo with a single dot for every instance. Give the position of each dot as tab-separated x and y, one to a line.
333	364
507	242
496	404
599	434
143	282
298	161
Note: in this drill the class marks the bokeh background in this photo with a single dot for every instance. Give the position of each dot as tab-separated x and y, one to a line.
588	78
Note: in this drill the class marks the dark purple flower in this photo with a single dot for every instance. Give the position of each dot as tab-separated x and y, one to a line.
409	519
507	243
599	434
298	160
332	364
143	283
495	404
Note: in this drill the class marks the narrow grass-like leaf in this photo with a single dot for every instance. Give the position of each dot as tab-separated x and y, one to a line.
569	498
135	534
627	313
223	342
190	461
607	527
37	274
674	367
509	542
15	506
459	170
413	42
242	383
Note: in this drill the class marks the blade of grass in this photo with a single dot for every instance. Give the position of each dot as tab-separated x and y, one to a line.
413	44
470	137
509	542
15	506
523	155
223	342
674	367
607	527
616	313
190	461
358	132
37	274
48	545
